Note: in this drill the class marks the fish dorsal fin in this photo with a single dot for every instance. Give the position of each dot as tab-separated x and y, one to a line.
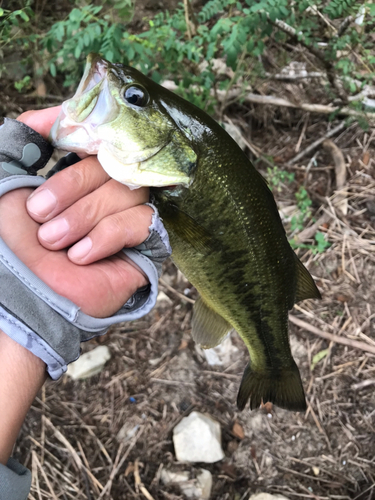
208	327
306	288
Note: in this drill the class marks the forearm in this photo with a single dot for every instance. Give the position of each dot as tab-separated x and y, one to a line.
21	376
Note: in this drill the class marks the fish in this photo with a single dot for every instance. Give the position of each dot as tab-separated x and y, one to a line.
224	227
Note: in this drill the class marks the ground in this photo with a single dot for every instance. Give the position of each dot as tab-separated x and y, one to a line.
83	439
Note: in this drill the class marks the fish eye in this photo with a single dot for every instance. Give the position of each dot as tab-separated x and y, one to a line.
136	95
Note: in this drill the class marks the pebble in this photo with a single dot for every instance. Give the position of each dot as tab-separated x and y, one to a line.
197	438
90	363
191	488
222	353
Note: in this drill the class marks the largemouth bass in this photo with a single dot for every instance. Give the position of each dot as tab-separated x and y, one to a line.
222	220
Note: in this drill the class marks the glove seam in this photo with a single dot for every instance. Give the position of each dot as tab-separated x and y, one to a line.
19	326
29	284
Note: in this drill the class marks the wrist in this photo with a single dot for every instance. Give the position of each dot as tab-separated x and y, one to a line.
21	376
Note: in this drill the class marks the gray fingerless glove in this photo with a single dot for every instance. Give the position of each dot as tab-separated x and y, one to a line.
36	317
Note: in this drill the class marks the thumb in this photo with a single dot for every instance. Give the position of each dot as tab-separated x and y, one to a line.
42	120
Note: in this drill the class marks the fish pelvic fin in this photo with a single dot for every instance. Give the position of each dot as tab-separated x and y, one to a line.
306	287
282	388
208	327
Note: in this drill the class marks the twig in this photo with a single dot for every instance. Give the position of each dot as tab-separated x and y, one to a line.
138	483
341	201
297	75
249	97
319	141
35	457
331	337
118	466
329	67
363	384
187	20
171	289
73	452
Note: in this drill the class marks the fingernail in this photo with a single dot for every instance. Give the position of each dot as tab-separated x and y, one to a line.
53	231
41	203
80	249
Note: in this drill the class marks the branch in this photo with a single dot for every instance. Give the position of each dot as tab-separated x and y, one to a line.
317	143
356	344
330	70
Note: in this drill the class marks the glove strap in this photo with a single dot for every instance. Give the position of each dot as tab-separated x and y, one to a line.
22	150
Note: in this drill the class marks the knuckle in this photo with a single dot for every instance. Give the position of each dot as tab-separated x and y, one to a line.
115	227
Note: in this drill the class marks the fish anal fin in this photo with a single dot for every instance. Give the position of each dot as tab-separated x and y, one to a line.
208	327
306	287
282	388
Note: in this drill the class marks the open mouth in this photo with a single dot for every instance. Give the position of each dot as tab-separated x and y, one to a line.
92	105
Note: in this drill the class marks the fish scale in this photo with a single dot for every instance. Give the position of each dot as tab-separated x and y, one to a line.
224	227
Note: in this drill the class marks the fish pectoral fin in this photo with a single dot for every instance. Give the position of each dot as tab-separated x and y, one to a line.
282	388
190	231
306	287
208	327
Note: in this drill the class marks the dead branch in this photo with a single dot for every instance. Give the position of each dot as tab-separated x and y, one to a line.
339	161
329	67
355	344
340	201
317	143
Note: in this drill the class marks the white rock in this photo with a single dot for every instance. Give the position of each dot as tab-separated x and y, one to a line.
267	496
199	488
204	480
127	432
163	299
222	353
170	477
90	363
197	438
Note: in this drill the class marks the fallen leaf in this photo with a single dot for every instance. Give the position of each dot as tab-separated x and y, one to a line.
238	431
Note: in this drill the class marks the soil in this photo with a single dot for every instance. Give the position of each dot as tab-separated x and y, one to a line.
77	433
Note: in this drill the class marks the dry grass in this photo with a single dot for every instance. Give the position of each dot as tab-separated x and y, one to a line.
71	438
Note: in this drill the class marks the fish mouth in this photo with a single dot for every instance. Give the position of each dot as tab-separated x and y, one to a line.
92	105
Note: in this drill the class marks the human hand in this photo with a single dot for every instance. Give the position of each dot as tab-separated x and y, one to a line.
83	207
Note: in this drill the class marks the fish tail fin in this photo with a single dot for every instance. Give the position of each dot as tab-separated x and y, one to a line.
282	388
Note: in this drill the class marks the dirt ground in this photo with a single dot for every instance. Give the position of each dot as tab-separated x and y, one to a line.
85	440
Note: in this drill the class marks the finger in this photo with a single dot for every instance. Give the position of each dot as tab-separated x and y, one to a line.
79	219
65	188
112	234
42	120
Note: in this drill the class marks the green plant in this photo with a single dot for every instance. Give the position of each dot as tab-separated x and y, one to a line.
303	203
184	44
276	177
23	85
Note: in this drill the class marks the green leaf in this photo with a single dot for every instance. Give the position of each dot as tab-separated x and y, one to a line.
52	69
24	16
318	357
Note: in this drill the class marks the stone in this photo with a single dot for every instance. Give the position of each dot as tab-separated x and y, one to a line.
163	300
170	477
90	363
221	354
197	438
199	488
267	496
